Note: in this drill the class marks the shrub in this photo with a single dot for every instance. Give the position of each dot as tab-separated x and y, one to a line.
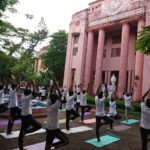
120	103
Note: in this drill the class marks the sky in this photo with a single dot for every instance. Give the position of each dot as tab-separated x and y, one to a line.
57	13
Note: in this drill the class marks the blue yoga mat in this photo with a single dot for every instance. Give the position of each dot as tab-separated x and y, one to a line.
105	140
130	121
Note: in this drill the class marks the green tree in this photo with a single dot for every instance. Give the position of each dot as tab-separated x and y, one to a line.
23	69
37	37
26	41
143	41
7	30
44	78
7	5
55	58
6	63
19	43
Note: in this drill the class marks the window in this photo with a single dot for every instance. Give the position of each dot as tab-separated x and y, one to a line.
116	39
105	40
76	39
115	52
73	75
103	76
75	51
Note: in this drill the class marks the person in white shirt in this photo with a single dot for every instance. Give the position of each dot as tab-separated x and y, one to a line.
104	89
63	98
28	123
15	111
78	88
43	94
70	111
111	90
78	102
128	107
3	105
112	109
83	104
100	114
145	119
52	127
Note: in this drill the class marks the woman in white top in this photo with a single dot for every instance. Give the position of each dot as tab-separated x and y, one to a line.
145	119
128	107
52	129
100	114
71	114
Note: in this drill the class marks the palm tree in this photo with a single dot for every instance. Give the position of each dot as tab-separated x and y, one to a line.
143	41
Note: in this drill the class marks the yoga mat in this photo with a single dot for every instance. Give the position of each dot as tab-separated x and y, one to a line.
120	128
89	121
15	134
4	123
130	121
64	121
86	113
38	146
61	121
76	129
62	110
105	140
93	110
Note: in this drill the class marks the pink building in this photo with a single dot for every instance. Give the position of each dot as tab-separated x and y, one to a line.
101	42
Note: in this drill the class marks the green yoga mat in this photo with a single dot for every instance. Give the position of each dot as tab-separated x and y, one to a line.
63	121
62	110
105	140
130	121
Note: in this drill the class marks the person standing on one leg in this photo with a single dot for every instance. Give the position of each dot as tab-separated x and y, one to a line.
145	119
71	114
112	108
83	104
128	107
78	88
100	114
28	123
52	129
78	102
63	98
15	111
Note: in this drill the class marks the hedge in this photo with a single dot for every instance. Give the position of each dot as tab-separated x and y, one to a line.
119	102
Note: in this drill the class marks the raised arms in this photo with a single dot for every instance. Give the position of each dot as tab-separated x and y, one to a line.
143	97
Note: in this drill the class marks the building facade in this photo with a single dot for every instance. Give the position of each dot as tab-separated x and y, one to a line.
101	42
38	61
